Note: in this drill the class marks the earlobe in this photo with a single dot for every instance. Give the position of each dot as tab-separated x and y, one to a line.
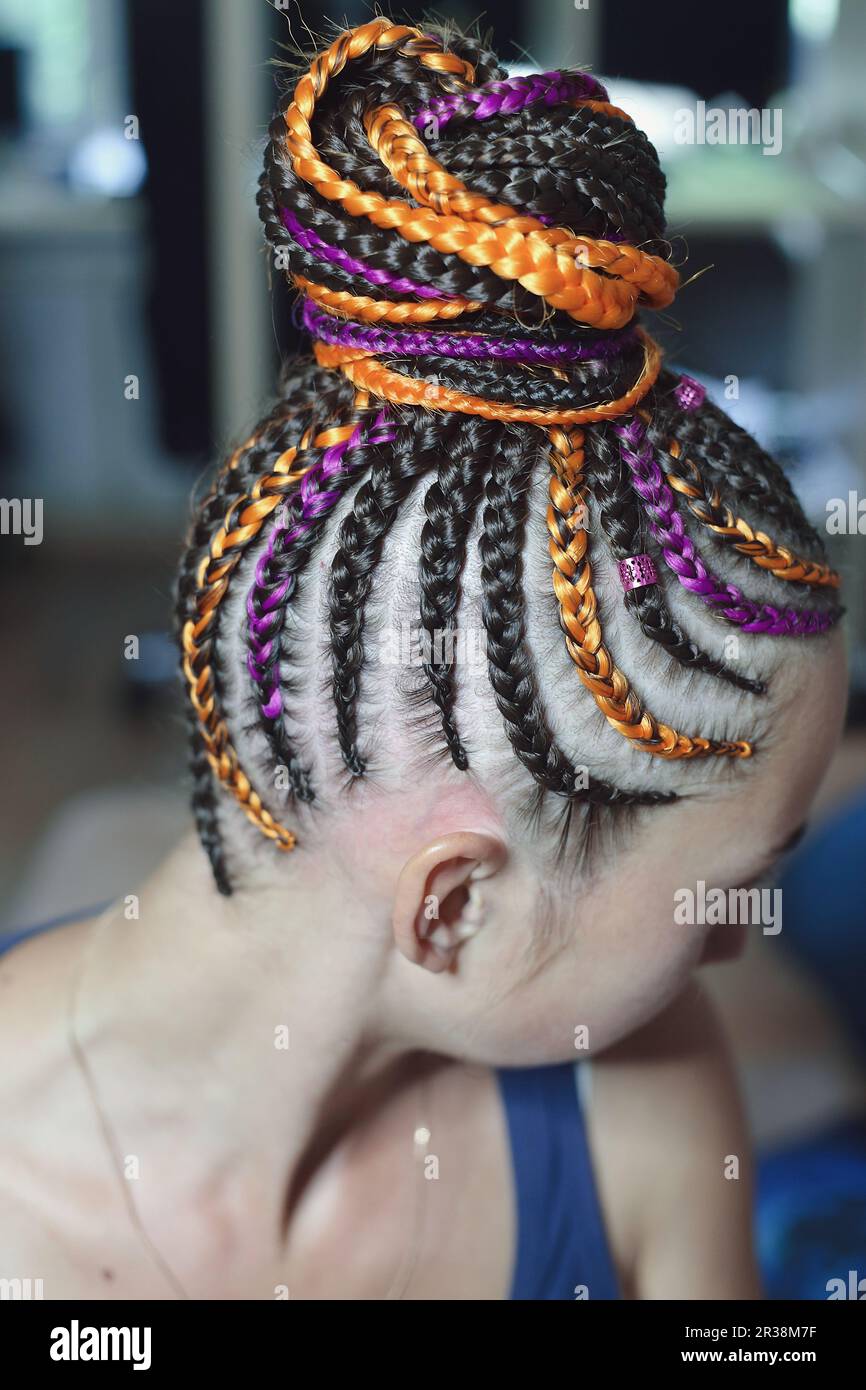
440	903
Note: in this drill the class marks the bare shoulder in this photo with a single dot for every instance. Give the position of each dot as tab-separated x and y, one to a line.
44	1115
35	978
672	1154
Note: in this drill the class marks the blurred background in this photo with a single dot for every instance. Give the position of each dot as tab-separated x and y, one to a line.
140	334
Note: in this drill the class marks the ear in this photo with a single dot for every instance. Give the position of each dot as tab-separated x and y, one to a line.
439	903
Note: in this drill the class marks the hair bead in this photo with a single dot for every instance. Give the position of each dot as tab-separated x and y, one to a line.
690	394
681	556
637	572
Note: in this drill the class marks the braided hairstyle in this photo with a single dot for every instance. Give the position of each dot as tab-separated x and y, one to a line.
472	253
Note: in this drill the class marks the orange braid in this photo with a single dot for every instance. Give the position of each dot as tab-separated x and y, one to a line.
242	523
361	306
549	262
604	108
708	507
578	609
364	369
406	158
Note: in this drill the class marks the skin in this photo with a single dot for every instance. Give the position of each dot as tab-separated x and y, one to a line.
263	1168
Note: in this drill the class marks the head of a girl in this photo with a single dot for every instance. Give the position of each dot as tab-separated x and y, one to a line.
434	727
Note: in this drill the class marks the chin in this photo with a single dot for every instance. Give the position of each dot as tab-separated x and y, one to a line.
556	1019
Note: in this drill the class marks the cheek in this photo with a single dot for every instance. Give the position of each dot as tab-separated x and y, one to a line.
592	992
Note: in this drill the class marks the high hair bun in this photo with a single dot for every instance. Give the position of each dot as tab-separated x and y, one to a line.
390	118
419	198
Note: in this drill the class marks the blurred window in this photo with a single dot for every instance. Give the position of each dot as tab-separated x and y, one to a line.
56	38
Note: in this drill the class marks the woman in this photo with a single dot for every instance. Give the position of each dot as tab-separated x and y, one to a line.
451	811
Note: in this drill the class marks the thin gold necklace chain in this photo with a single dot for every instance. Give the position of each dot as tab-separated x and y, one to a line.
420	1138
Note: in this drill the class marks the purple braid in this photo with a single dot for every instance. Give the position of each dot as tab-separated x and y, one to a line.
312	501
666	525
423	342
312	242
512	94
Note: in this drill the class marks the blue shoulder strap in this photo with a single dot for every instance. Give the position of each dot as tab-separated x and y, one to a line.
562	1247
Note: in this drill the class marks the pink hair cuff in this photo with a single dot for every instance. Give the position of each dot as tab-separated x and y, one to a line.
637	572
690	394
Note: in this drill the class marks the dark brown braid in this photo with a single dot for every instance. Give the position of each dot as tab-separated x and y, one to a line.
614	182
361	537
450	505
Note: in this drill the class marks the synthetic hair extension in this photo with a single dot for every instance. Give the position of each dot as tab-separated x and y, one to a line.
242	523
729	457
616	190
578	606
477	346
680	555
503	610
256	478
472	252
209	515
608	481
706	504
288	550
513	94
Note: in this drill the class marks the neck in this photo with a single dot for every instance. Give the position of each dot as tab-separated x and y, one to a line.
233	1041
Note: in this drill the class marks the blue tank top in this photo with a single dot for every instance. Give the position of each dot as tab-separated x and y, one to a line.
562	1247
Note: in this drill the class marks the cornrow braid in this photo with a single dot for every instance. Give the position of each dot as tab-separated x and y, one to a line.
360	540
512	673
450	506
242	523
285	556
729	456
204	805
681	556
229	484
199	606
609	483
578	607
706	504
